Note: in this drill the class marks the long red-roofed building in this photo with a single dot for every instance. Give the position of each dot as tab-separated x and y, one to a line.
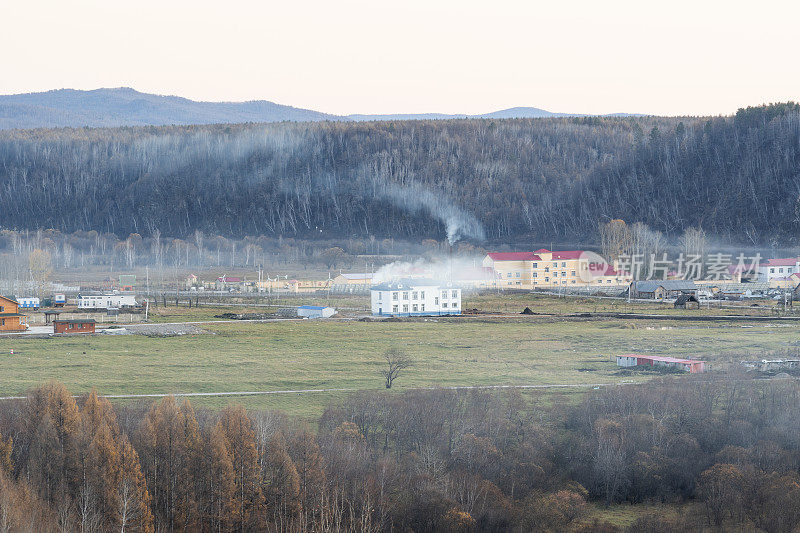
692	366
549	269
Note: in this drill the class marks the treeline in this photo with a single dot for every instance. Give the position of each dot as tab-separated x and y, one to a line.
536	179
724	451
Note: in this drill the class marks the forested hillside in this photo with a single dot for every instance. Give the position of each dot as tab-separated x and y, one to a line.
126	107
500	180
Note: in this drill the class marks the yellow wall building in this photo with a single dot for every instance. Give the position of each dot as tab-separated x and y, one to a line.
547	269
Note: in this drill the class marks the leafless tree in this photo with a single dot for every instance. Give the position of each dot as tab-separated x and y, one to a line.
396	361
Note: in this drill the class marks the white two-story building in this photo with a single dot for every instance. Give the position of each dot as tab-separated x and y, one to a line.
778	268
415	297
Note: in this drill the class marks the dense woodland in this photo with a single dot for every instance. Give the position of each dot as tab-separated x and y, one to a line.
738	178
724	450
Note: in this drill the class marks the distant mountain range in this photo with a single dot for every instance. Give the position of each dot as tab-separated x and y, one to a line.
127	107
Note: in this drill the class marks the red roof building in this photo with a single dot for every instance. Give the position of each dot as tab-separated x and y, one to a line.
691	366
514	256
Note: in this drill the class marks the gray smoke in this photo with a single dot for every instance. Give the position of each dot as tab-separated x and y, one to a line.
413	198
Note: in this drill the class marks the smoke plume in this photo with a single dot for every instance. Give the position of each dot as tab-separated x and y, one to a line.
414	198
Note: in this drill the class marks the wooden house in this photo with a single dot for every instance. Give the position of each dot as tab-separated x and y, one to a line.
10	317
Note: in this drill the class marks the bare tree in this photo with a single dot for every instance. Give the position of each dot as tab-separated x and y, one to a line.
396	361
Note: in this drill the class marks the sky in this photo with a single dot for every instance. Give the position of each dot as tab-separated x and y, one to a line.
679	57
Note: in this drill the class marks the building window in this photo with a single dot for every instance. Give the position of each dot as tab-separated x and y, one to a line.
380	295
519	283
547	269
535	274
444	295
380	310
394	309
444	305
436	301
573	281
771	270
563	274
394	296
517	274
415	308
573	273
534	265
405	295
555	263
422	308
546	279
71	326
563	264
2	321
422	295
405	308
414	295
455	294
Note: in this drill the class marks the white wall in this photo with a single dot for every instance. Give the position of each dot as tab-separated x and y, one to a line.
767	273
416	300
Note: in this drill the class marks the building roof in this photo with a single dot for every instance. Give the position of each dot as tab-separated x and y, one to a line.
542	251
408	283
785	261
314	307
662	358
668	284
514	256
568	254
357	275
10	315
229	279
74	320
12	300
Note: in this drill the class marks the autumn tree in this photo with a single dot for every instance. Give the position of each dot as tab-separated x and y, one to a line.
238	431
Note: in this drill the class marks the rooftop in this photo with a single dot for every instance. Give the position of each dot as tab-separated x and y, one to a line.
784	261
662	358
357	275
409	283
514	256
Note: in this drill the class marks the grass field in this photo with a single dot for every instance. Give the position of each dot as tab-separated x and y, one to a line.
298	355
543	303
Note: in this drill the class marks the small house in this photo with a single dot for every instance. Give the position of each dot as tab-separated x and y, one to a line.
83	325
687	301
10	317
662	289
691	366
315	311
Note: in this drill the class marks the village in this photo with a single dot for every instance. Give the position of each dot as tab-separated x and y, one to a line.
411	289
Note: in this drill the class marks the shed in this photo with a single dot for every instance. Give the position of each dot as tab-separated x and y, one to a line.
692	366
687	301
83	325
315	311
660	289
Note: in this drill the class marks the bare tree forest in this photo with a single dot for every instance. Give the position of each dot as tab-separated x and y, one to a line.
557	179
725	448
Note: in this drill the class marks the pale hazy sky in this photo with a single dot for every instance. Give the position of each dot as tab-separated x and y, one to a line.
451	56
